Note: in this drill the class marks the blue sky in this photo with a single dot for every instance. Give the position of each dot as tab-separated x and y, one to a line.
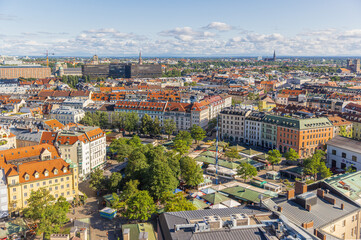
180	28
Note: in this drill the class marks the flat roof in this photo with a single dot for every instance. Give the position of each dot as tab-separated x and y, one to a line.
346	143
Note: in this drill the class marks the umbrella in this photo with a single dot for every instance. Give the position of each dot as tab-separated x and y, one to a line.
208	191
231	203
217	206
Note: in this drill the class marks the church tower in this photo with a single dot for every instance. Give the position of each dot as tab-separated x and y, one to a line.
140	61
274	55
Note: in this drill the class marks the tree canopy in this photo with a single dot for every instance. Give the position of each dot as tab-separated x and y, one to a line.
197	133
292	155
48	212
191	172
246	170
274	157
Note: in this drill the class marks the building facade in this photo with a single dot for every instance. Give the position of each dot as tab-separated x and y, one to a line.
24	72
66	114
31	168
344	153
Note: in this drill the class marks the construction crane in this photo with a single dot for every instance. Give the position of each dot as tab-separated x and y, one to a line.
47	57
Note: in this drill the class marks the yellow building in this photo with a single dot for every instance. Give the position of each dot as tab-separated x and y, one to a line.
266	104
29	168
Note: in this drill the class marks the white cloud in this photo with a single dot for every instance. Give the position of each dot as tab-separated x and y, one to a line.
220	26
186	34
185	41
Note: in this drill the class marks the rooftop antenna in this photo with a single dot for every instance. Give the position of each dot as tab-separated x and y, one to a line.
217	136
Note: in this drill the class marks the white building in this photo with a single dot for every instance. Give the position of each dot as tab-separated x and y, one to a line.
67	114
232	122
4	212
77	103
344	153
85	146
253	128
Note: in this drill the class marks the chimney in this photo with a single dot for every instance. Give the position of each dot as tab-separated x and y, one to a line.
308	207
126	234
290	194
300	187
342	206
143	236
279	209
315	232
320	193
83	234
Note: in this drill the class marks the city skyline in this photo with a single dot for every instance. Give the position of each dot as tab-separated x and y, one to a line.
235	28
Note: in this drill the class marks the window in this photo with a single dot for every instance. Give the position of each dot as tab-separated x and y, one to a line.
56	195
26	202
26	177
25	186
31	185
56	187
14	197
25	194
333	152
46	173
44	183
344	155
354	158
36	175
14	189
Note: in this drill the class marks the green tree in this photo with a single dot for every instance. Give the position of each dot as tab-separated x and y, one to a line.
161	179
130	188
131	123
137	166
181	146
50	214
140	206
292	155
246	170
87	120
274	157
316	165
121	149
232	153
191	172
345	133
156	127
176	203
114	181
169	127
197	133
97	179
146	125
173	160
185	136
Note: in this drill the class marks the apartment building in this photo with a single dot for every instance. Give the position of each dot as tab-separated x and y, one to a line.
232	124
340	126
30	168
84	146
303	135
7	139
253	128
269	132
344	153
66	114
9	72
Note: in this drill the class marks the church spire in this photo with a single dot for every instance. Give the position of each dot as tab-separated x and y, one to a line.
274	55
140	58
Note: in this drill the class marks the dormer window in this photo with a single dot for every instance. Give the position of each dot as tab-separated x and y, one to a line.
36	175
65	170
46	173
55	171
27	177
